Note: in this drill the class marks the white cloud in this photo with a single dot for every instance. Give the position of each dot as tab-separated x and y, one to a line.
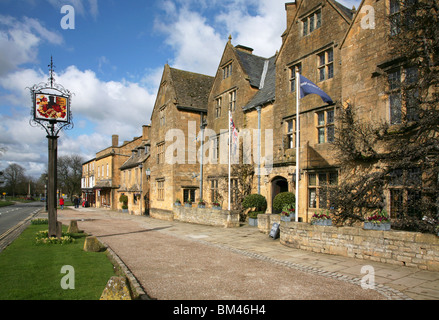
198	37
197	46
260	28
106	107
19	41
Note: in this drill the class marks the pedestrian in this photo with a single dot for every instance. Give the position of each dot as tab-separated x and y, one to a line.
76	202
61	203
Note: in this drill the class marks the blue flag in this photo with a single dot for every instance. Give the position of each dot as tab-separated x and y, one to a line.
307	87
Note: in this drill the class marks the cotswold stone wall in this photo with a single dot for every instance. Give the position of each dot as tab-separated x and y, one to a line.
161	214
395	247
207	216
265	222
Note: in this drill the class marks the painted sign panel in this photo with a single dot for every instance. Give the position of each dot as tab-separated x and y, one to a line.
51	107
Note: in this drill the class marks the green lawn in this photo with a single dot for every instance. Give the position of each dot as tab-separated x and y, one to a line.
30	271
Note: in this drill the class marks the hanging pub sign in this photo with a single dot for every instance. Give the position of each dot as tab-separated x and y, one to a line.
51	107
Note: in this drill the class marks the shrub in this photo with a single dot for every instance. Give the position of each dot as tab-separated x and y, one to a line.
256	201
283	199
124	199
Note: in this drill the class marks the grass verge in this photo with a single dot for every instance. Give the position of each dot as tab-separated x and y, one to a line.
31	271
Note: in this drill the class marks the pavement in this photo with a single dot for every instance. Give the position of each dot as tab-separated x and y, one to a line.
173	260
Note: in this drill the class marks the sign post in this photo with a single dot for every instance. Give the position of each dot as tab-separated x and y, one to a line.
51	110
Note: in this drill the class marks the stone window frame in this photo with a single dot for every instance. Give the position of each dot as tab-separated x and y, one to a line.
232	100
227	70
162	116
215	148
321	179
311	22
213	189
160	189
290	135
292	78
325	125
404	190
325	64
218	103
189	193
397	11
402	92
161	152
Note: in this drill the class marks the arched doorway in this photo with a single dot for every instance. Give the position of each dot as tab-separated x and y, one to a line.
278	184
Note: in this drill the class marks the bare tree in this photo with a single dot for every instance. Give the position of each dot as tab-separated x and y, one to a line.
14	176
69	174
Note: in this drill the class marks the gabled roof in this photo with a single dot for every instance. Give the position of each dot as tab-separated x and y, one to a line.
348	13
252	65
191	89
139	157
267	92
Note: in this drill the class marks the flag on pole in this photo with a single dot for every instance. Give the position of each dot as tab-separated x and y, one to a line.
234	134
308	87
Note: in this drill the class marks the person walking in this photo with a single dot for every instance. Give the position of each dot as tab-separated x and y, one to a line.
61	203
76	202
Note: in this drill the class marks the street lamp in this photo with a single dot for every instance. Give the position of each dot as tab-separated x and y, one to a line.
51	110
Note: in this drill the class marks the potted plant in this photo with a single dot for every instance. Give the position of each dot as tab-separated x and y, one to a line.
283	199
253	218
377	221
188	203
321	219
216	205
256	202
201	204
177	203
124	199
287	212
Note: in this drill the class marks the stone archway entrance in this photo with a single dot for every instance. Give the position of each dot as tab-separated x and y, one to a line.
278	184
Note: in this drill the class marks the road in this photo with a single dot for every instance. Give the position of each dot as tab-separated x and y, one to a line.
13	216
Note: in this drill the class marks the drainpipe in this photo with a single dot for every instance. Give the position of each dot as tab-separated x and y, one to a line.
202	126
259	148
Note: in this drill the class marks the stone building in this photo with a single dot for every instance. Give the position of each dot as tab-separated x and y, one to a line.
240	78
311	43
88	182
107	171
188	140
134	176
374	91
179	110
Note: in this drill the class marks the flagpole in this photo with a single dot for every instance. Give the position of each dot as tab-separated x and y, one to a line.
230	142
296	210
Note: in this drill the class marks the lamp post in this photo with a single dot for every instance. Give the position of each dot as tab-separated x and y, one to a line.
51	110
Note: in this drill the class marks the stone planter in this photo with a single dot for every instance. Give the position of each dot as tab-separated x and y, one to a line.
201	206
177	204
188	205
322	222
253	222
216	207
125	210
285	218
376	226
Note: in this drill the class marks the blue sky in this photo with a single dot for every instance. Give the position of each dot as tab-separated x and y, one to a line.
113	61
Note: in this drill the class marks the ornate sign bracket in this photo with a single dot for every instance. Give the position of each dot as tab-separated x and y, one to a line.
51	105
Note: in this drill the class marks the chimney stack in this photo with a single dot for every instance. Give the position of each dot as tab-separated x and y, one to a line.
114	140
145	132
290	8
